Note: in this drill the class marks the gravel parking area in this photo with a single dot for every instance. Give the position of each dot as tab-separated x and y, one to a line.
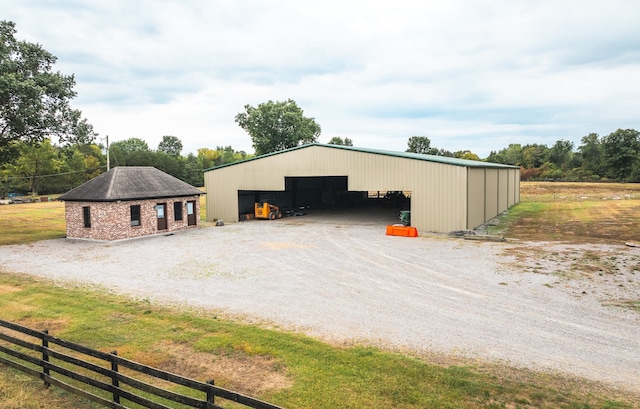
344	282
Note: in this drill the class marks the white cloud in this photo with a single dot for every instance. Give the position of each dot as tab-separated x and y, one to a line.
468	74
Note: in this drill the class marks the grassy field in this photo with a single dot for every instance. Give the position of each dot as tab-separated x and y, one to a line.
288	369
576	212
293	370
29	222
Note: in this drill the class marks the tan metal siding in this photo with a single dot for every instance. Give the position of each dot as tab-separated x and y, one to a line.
222	194
439	193
517	182
503	190
439	198
491	196
477	201
514	186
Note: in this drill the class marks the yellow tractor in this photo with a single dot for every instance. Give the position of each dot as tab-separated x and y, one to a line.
266	210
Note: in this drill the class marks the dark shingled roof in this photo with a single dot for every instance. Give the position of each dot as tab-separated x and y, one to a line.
130	183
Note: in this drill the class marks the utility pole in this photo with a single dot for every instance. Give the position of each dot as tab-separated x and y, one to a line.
108	153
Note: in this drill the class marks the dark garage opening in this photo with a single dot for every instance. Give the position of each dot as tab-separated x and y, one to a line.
327	198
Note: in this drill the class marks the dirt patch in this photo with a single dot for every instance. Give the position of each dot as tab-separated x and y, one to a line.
53	326
7	289
607	273
251	375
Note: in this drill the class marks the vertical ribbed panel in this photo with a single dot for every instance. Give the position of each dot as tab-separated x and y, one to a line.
476	203
439	192
503	190
491	195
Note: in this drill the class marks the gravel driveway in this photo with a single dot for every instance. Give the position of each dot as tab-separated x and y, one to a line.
352	282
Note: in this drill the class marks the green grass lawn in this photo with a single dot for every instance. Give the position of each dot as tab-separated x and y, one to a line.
290	369
284	368
29	222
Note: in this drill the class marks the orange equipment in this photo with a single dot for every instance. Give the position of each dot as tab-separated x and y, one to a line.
266	210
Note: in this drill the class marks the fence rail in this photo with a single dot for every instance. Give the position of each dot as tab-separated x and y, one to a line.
107	384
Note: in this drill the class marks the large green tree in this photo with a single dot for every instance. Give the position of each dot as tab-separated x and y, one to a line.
591	154
511	155
534	155
131	152
466	154
274	126
336	140
171	145
561	154
621	153
34	100
36	161
420	144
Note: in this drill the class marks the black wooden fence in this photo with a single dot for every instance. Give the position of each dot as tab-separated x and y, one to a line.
110	380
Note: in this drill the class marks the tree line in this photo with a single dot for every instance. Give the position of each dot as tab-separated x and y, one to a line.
48	147
45	168
614	157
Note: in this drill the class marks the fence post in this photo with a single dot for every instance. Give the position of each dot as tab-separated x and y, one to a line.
45	357
211	397
114	378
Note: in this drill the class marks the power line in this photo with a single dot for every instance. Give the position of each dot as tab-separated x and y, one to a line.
52	174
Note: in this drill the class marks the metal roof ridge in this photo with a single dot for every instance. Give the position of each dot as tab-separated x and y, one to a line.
406	155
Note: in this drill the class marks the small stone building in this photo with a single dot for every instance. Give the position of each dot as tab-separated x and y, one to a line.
128	202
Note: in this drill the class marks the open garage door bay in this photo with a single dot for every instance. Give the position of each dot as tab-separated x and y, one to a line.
328	198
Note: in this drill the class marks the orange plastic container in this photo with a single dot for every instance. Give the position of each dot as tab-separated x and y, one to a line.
405	231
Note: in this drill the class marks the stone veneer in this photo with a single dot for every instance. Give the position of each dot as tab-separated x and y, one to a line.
112	220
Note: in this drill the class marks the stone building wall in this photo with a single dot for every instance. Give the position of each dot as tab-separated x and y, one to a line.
112	220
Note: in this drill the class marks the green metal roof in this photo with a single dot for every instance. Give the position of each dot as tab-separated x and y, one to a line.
406	155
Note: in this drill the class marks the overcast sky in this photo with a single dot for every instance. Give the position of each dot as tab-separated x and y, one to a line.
468	74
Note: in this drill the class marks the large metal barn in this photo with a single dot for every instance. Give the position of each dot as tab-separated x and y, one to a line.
443	194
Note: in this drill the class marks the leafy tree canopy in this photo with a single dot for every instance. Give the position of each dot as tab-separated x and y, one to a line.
466	154
621	152
171	145
560	153
274	126
420	144
591	153
509	156
131	152
34	100
336	140
534	155
34	160
131	145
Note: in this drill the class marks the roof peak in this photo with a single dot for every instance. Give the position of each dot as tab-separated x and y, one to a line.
407	155
131	183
